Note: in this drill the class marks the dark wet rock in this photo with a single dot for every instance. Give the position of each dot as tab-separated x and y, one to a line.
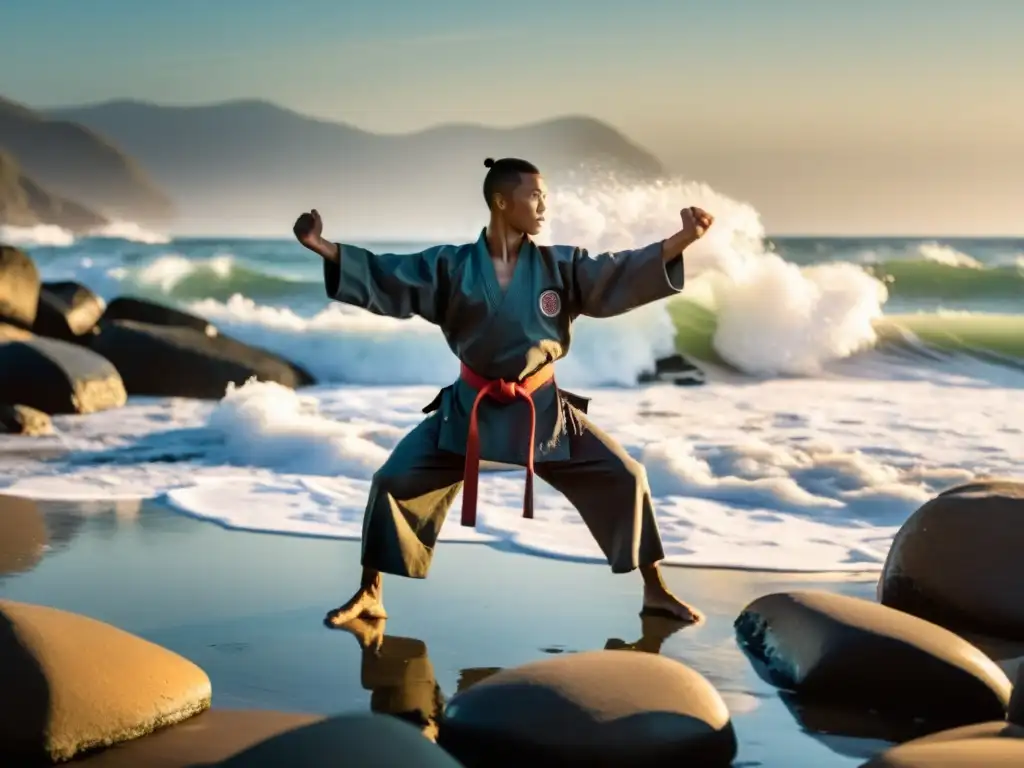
957	560
995	729
23	535
166	361
19	287
71	684
986	745
598	708
267	739
675	369
204	740
22	420
67	311
1015	713
56	377
152	313
830	648
357	740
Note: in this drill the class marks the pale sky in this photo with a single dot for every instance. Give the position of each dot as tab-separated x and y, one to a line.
899	116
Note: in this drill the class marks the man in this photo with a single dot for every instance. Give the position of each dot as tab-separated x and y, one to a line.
506	307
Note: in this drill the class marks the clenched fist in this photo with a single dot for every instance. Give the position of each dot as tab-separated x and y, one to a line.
696	222
309	229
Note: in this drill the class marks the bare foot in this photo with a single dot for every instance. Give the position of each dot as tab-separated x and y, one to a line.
659	601
367	603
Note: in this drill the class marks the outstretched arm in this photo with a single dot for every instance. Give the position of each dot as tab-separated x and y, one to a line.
398	285
392	284
610	284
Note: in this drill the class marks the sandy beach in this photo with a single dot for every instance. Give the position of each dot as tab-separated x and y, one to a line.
248	609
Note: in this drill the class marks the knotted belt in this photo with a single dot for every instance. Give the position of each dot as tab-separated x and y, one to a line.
505	392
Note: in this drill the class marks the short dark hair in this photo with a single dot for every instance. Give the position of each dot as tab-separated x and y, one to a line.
504	175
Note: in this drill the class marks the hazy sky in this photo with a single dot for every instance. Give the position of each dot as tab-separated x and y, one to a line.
866	115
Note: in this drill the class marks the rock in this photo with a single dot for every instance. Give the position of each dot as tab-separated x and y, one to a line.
22	420
676	369
982	752
957	560
182	362
19	287
834	648
151	313
57	377
204	740
72	683
355	741
996	729
1015	713
23	535
597	708
13	333
67	311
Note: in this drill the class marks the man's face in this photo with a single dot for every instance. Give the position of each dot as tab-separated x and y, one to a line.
525	210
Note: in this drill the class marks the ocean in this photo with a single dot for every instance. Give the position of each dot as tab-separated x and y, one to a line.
848	381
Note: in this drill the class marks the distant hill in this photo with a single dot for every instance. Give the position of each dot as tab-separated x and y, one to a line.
24	203
73	162
251	166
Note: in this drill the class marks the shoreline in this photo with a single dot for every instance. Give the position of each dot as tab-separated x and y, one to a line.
855	576
248	609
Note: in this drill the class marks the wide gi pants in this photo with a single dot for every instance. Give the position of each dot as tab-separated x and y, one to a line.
413	491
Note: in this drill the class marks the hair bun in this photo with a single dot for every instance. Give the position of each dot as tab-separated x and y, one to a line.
489	162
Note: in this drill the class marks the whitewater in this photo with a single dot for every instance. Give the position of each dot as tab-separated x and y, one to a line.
849	380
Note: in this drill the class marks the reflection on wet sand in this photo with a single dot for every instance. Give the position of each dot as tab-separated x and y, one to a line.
23	535
398	673
29	529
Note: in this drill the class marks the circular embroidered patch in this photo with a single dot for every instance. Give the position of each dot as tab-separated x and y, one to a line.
550	303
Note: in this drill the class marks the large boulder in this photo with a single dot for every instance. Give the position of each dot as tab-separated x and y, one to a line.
854	653
22	420
598	708
67	311
71	684
152	313
23	535
19	287
202	741
957	560
166	361
364	741
972	751
1015	712
57	377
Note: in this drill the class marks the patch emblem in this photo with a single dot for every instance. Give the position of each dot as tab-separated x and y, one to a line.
550	303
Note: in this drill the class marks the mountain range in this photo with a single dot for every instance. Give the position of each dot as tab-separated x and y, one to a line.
249	167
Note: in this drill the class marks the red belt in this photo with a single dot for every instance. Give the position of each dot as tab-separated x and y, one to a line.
505	392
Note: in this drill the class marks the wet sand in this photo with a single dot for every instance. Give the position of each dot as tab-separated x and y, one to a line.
248	609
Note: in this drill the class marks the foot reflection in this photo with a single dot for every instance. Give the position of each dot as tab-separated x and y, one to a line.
401	680
654	631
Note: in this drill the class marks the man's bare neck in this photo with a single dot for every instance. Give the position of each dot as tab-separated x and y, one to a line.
498	236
